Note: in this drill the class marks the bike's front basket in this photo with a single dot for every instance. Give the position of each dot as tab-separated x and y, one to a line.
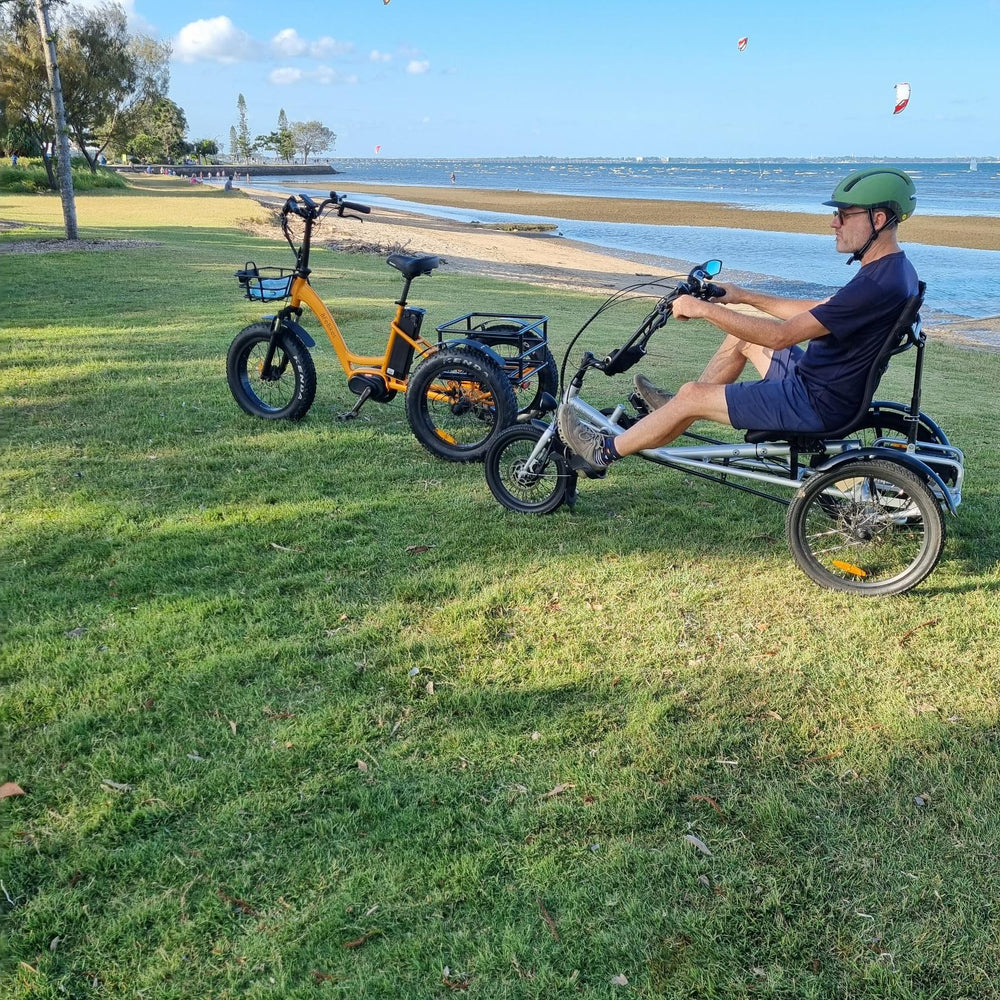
265	284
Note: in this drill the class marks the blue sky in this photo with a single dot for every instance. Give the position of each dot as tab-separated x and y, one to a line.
469	78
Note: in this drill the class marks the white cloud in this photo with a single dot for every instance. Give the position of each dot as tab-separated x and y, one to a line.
379	57
288	42
285	76
327	47
217	39
417	67
326	75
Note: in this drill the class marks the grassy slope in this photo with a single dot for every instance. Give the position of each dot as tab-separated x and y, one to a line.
339	755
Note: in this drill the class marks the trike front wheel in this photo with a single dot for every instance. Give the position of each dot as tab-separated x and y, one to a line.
868	527
286	390
523	484
457	402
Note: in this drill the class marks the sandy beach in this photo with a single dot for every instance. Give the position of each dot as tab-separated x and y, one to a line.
554	261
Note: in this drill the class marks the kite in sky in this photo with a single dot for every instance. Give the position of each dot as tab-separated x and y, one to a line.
902	97
742	43
378	149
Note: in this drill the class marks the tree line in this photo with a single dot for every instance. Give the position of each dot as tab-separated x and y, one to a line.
115	89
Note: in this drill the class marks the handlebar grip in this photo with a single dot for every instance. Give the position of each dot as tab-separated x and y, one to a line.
355	206
291	205
713	291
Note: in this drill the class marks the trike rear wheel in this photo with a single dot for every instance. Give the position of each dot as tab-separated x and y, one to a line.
868	527
526	487
457	402
531	377
288	390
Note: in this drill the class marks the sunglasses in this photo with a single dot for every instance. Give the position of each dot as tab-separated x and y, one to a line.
841	214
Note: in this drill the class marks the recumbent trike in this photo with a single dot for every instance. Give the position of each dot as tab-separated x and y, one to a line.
866	513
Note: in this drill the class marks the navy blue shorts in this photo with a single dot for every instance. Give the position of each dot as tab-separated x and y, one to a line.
779	401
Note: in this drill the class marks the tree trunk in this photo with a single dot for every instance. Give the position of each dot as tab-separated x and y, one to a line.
59	110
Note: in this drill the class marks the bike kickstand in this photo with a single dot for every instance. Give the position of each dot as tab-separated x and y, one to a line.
353	412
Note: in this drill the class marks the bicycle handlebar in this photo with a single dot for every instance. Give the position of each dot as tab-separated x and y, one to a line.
310	211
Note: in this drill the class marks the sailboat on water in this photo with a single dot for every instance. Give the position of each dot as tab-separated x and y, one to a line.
973	164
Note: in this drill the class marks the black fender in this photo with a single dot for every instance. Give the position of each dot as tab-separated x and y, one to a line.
929	422
300	331
911	462
463	342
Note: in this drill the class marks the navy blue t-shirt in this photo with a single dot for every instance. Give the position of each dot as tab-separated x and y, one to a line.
859	318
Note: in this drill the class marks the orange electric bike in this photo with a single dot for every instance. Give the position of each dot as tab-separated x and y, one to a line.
482	373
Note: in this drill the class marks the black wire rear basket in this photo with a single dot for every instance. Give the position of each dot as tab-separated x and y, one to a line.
265	284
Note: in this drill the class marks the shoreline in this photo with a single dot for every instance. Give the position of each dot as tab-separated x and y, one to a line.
969	232
547	259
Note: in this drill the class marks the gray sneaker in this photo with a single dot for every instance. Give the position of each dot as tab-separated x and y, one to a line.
652	396
581	438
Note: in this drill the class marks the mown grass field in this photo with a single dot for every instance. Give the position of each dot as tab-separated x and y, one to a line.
300	712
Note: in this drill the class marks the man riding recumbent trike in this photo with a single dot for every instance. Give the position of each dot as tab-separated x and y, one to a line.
869	480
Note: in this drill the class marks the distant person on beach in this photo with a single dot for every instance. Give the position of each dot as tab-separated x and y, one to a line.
228	186
453	177
807	390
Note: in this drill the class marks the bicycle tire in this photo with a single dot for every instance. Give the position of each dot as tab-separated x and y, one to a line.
539	490
457	402
868	527
290	391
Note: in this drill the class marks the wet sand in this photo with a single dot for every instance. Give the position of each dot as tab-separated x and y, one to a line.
973	232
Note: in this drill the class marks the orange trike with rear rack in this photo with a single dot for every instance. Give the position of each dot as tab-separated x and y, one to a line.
467	386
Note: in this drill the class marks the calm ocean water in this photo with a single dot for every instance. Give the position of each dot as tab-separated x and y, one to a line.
960	282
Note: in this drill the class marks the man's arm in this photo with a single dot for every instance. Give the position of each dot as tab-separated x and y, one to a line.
774	333
773	305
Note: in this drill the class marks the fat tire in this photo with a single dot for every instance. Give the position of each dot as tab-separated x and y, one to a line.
543	378
814	519
504	462
291	394
457	402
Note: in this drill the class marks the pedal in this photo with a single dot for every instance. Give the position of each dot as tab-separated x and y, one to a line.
348	415
640	404
579	464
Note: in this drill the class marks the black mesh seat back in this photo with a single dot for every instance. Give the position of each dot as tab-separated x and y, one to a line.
896	340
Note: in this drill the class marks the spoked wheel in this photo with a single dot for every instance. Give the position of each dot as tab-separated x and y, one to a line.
530	378
867	527
288	389
457	402
520	484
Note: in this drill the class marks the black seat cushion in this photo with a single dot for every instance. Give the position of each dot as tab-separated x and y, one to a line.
412	267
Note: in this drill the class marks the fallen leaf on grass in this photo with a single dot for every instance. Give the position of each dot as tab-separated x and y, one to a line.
547	917
457	983
115	786
700	844
710	801
905	637
417	549
323	977
362	767
240	904
558	790
619	980
364	939
9	789
76	633
232	726
284	548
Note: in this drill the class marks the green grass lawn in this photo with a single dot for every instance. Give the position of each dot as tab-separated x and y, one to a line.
300	711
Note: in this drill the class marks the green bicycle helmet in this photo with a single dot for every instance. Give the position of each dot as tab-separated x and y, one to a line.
877	187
